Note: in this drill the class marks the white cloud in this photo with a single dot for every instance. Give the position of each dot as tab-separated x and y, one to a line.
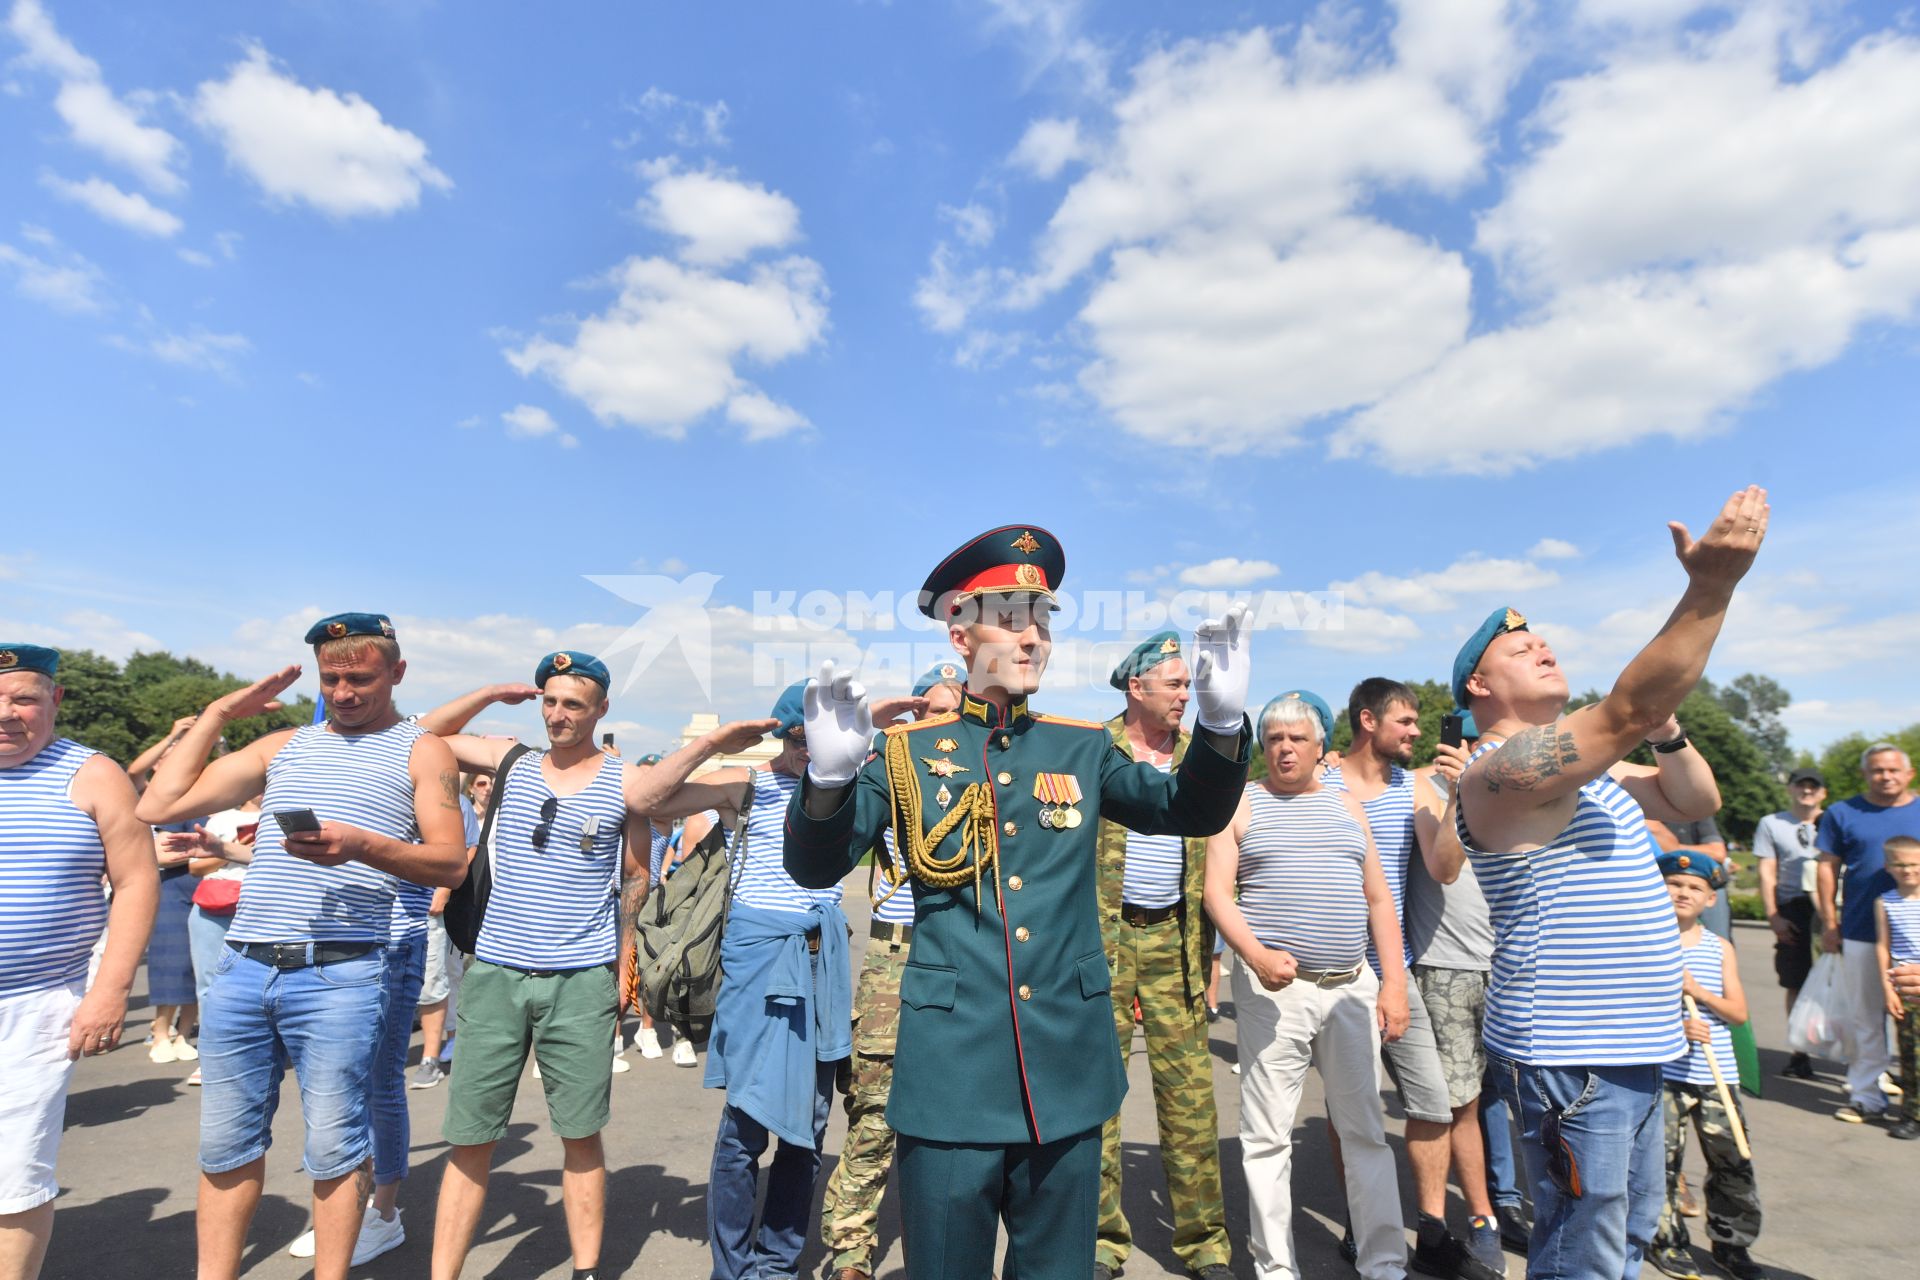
530	422
1047	147
1553	549
1228	571
1364	629
972	223
665	353
95	116
82	629
721	219
57	277
1051	33
194	258
1440	590
763	417
949	293
685	122
1467	47
198	348
129	209
313	146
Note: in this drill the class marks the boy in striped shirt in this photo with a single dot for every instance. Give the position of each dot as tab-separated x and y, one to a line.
1897	916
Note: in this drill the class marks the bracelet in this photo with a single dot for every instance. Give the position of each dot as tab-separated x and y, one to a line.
1668	748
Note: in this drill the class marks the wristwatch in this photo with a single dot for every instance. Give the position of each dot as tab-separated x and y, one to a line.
1668	748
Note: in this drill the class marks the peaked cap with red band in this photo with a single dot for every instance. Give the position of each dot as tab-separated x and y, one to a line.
1012	558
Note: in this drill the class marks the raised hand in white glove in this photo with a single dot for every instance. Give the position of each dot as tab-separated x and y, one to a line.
839	727
1220	670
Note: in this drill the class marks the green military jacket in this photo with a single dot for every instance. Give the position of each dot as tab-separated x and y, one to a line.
1006	1025
1196	931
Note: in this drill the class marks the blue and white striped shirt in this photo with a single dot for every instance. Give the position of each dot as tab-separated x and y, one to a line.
1154	864
656	854
555	904
1302	877
1586	959
1706	961
1903	927
1390	819
361	779
52	908
763	882
898	908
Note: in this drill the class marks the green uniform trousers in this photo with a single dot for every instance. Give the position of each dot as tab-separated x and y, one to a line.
850	1214
955	1195
1733	1201
1147	965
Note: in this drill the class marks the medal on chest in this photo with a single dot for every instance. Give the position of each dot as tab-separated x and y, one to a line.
1058	794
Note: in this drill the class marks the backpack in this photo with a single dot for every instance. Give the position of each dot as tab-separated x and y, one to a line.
678	942
467	905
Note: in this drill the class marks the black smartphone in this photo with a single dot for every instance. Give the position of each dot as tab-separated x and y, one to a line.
1450	730
292	820
606	739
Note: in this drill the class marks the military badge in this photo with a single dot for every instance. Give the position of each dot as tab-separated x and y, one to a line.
943	797
946	744
386	628
8	659
1170	645
1057	794
949	672
941	767
336	629
1026	575
1515	621
561	661
1026	542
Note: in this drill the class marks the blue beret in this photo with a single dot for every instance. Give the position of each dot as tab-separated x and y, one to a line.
652	757
1498	623
1012	558
571	662
939	673
1313	700
341	625
1148	654
1681	862
1468	729
791	709
29	657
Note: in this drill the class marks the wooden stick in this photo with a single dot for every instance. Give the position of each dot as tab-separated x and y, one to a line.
1720	1083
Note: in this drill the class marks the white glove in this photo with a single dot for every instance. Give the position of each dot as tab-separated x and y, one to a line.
839	727
1219	671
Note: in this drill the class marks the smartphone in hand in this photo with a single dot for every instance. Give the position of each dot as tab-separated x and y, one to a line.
292	820
1452	730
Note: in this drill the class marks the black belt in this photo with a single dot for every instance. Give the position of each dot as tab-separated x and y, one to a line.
1147	915
885	931
553	973
301	955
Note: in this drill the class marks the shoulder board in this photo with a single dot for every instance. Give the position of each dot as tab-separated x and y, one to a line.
944	718
1077	724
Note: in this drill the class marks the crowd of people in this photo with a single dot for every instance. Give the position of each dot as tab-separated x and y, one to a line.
1525	936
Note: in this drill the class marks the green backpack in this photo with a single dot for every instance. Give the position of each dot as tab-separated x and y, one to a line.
680	928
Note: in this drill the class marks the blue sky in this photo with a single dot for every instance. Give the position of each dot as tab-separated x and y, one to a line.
447	310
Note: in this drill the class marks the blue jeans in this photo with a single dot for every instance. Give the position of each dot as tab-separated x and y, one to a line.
323	1020
1496	1132
406	970
1611	1122
731	1185
207	939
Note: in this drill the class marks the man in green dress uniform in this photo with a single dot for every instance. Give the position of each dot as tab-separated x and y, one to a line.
1006	1065
1159	945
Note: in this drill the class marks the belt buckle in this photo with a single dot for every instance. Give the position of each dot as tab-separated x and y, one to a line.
1134	916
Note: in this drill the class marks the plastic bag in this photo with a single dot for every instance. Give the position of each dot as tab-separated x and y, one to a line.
1819	1022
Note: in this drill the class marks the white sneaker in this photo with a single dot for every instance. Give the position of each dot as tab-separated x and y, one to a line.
163	1051
536	1070
302	1246
183	1050
621	1064
378	1235
649	1042
1236	1068
683	1054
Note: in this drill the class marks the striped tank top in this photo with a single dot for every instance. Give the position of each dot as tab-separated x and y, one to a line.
1903	926
52	907
1706	961
556	871
361	779
763	882
898	908
1390	819
656	854
1586	959
1301	878
1154	865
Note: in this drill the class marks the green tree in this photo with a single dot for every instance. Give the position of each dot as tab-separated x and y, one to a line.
1755	703
97	707
120	712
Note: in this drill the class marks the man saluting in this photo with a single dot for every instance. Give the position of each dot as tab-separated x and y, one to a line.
1006	1064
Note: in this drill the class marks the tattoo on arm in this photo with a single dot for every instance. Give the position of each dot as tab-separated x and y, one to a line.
450	788
631	899
1529	758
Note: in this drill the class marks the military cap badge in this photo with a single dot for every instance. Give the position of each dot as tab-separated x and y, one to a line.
8	659
336	629
1026	542
562	660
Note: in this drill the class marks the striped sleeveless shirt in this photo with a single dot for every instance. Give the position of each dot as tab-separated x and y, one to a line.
1302	877
52	907
1903	926
1586	959
361	779
763	882
1390	819
555	904
897	909
1153	866
1706	961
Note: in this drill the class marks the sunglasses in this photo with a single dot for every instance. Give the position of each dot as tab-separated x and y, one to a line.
1561	1166
1806	837
549	809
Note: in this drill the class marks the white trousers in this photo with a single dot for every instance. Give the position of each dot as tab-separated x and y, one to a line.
34	1026
1866	1023
1334	1029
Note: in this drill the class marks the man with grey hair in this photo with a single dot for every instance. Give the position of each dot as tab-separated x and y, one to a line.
1851	838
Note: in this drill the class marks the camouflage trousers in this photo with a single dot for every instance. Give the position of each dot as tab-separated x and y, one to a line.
1733	1201
1907	1037
850	1214
1147	966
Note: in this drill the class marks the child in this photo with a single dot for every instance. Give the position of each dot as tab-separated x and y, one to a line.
1898	913
1712	978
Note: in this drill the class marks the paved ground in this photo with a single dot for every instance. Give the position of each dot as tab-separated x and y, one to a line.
1833	1192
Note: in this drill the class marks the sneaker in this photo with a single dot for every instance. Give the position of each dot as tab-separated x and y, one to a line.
1891	1087
1483	1242
536	1069
1849	1114
683	1054
1907	1130
162	1051
1212	1271
1683	1198
195	1077
1736	1262
302	1246
378	1235
1515	1230
649	1042
620	1064
1213	1013
1674	1260
1448	1257
1236	1068
427	1075
1799	1067
183	1050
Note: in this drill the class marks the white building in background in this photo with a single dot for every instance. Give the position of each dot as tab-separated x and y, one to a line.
705	722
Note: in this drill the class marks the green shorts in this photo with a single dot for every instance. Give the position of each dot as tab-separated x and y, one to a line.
566	1018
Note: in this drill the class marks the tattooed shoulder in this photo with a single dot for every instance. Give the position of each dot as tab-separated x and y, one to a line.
1529	758
450	788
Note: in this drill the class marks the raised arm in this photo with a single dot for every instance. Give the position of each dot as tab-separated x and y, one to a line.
1434	829
185	785
648	787
1678	787
450	718
723	790
144	762
104	793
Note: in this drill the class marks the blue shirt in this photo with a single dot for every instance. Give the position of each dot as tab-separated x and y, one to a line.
1706	961
892	905
1302	877
1903	927
763	882
556	870
1856	832
52	907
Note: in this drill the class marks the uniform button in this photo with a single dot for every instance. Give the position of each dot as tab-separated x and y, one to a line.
1003	778
1021	934
1014	883
1026	992
1010	828
1005	741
